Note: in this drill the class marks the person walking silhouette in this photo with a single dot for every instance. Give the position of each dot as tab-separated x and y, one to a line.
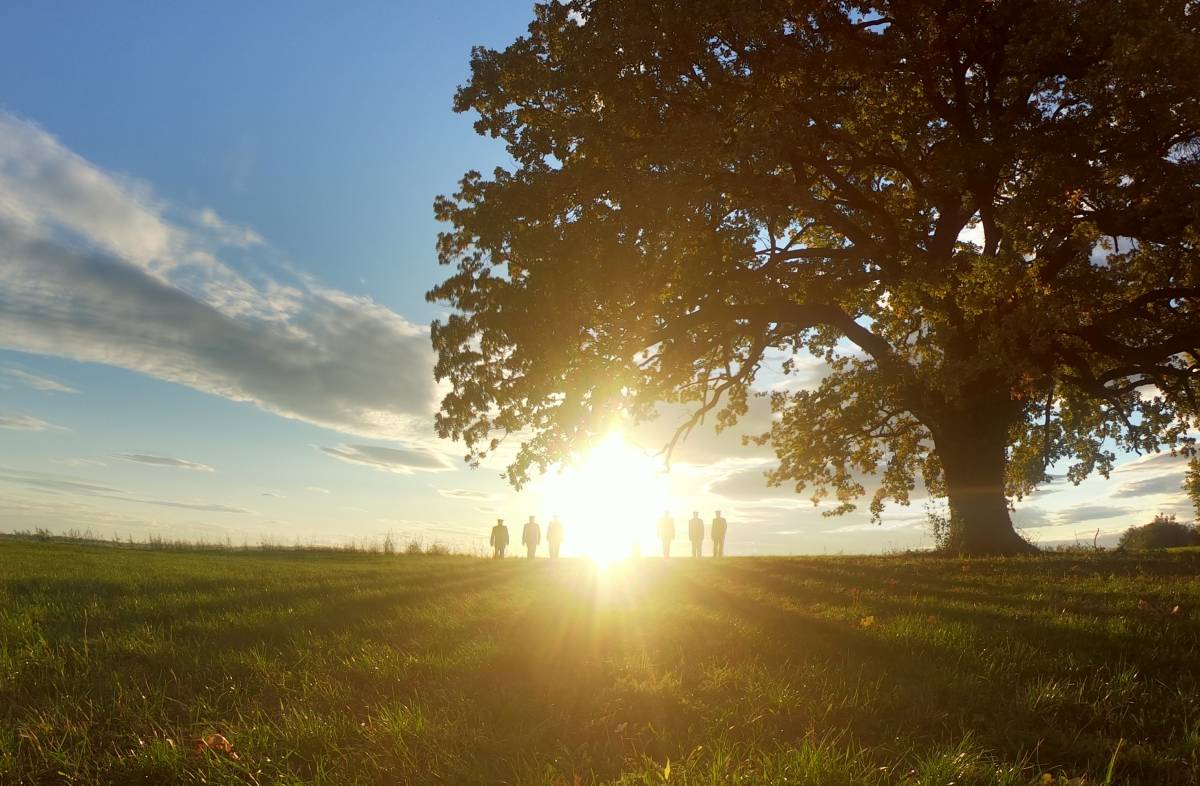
719	526
666	532
554	536
531	536
696	533
499	540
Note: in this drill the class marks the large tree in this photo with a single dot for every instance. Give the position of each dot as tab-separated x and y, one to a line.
983	215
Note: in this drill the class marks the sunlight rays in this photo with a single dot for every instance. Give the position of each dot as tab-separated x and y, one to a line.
608	502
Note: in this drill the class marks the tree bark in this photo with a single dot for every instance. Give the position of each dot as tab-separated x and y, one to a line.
973	456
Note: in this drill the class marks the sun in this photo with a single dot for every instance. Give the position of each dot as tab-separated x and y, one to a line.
609	502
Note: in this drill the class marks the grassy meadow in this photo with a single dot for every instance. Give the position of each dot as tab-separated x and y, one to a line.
343	668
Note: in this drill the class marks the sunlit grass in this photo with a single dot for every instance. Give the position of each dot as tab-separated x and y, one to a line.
354	668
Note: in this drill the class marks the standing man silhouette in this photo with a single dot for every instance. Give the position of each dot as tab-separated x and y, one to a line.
696	533
531	536
720	525
554	536
499	539
666	532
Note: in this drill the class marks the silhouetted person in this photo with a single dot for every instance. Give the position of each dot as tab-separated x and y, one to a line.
499	539
666	532
554	536
531	536
718	535
696	533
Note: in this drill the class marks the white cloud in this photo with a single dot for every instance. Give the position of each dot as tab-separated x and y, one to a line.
94	267
231	234
16	422
399	460
37	382
750	483
1087	513
883	526
1152	462
163	461
470	494
1169	483
704	444
65	484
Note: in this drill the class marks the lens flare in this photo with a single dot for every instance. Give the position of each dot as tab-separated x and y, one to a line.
609	502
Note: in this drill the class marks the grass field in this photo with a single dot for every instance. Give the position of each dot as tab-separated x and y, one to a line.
352	668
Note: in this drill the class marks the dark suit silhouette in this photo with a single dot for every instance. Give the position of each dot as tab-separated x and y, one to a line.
666	533
531	536
718	535
696	533
554	536
499	540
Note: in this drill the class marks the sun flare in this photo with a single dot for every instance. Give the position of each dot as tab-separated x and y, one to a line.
608	502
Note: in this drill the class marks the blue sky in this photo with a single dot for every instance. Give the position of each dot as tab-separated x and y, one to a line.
216	234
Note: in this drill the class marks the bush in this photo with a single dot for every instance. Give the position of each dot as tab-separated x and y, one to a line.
1162	533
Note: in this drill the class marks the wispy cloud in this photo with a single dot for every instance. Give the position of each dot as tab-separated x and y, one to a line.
163	461
45	481
470	494
399	460
16	422
204	506
82	251
229	234
1170	483
65	484
884	526
78	462
1079	514
750	484
1151	462
37	382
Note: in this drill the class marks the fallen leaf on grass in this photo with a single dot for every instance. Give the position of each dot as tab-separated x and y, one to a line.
867	622
214	742
1161	611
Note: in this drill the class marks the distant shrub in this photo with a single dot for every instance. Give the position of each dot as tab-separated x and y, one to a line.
1162	533
417	547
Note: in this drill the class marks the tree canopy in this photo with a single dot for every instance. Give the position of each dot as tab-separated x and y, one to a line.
983	216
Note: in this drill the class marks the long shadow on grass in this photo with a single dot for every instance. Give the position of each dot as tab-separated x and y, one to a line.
938	690
997	616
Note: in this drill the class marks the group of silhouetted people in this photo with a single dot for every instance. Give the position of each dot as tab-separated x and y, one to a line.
666	533
531	535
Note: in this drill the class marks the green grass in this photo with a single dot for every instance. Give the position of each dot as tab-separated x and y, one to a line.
354	668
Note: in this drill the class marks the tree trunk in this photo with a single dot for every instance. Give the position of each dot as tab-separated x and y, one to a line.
973	462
